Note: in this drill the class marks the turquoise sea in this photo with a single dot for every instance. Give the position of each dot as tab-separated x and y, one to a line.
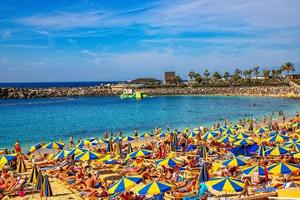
50	119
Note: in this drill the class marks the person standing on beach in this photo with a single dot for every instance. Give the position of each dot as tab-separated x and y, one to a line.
17	147
71	142
135	133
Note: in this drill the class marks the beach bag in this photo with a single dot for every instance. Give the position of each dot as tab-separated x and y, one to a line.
21	192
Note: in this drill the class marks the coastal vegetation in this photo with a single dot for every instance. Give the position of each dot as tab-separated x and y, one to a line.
241	77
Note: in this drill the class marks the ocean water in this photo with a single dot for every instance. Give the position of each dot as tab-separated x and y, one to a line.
55	84
51	119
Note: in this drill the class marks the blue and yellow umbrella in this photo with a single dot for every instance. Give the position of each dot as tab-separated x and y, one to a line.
140	153
261	130
125	184
39	181
293	145
127	139
277	138
154	188
225	184
234	162
262	150
76	151
209	135
7	158
35	148
46	190
162	135
193	134
21	167
296	155
244	142
226	139
145	135
277	151
33	175
83	143
242	136
229	131
88	155
54	145
250	170
283	168
61	155
169	162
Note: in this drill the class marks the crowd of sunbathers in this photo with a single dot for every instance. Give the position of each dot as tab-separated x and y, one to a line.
92	178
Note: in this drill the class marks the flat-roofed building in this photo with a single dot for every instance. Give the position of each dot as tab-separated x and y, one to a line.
170	77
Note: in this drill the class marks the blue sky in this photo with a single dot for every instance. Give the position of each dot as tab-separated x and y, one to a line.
84	40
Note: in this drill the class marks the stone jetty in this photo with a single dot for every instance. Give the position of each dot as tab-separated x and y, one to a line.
278	91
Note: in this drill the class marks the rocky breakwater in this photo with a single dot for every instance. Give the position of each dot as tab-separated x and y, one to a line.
276	91
56	92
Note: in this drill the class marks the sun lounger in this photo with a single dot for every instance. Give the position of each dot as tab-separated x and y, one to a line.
55	167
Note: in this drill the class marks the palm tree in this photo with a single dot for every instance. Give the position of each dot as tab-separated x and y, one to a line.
178	79
206	74
198	78
226	75
288	67
216	75
256	71
266	73
191	75
274	73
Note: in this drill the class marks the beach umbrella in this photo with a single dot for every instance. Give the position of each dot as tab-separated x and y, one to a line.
261	130
46	190
242	136
209	135
292	144
283	168
193	134
229	131
225	184
54	145
204	176
33	175
243	142
21	167
277	138
236	126
226	139
262	150
145	135
7	158
154	188
162	135
61	155
234	162
109	146
127	139
296	155
39	182
83	143
129	149
140	153
125	184
277	151
203	152
169	162
35	148
88	155
76	151
250	170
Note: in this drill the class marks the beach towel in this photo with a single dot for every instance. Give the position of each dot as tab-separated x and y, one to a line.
203	189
